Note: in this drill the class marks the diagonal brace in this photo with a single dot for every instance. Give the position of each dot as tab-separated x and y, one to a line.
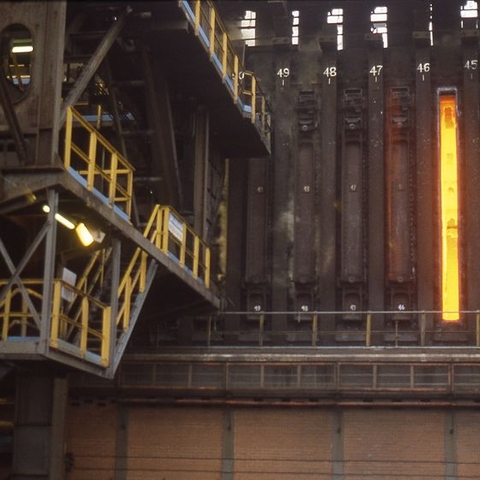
15	278
93	64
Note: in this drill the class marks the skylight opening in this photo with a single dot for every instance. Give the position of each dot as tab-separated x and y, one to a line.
379	23
335	17
247	27
469	11
295	26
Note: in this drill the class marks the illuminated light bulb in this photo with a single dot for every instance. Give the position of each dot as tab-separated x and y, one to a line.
84	234
22	49
449	208
64	221
60	218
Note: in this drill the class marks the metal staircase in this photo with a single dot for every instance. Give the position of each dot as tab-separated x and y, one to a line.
79	306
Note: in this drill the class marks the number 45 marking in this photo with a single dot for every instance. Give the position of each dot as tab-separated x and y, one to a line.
471	64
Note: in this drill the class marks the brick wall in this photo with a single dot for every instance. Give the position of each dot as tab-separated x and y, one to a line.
393	444
91	437
468	443
282	444
122	442
174	443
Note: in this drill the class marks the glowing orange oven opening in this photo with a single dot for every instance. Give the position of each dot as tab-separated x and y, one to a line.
449	208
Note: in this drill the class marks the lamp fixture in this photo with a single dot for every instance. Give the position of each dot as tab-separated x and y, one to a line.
85	235
60	218
22	49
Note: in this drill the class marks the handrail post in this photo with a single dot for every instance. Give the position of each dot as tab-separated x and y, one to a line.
263	115
143	272
260	329
127	303
92	153
55	326
211	48
224	54
113	177
183	245
207	267
254	98
197	15
6	316
67	154
84	327
164	242
235	78
106	336
314	330
368	332
422	328
196	255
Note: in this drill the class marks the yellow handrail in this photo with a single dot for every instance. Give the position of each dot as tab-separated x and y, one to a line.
16	318
97	164
86	334
208	26
171	234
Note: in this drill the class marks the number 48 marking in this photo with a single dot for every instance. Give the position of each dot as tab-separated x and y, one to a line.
330	72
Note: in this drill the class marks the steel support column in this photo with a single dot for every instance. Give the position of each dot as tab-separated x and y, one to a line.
282	191
376	179
115	281
450	446
327	191
424	176
471	202
228	446
338	460
121	442
202	133
49	272
39	432
164	153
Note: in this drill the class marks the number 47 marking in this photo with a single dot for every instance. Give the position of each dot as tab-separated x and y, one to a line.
376	70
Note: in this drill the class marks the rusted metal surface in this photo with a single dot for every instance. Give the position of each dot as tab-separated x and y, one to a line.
471	199
37	110
352	214
376	176
304	214
295	376
398	236
327	171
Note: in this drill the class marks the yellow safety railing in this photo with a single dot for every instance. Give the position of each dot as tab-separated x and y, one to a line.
260	114
242	85
87	333
179	241
97	164
90	332
175	238
16	317
132	283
